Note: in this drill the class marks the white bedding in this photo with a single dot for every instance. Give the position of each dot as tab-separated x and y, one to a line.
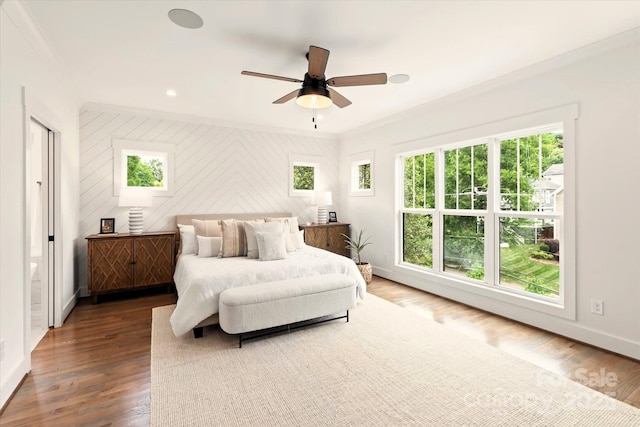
199	281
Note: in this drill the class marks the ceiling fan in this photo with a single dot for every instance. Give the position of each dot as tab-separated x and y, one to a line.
314	92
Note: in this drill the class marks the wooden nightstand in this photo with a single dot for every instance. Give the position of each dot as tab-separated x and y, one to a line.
327	236
123	262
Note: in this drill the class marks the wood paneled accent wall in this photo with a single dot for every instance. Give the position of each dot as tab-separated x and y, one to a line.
217	169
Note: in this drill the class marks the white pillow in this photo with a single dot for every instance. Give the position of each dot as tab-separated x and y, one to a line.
271	246
209	246
187	239
301	243
252	227
291	231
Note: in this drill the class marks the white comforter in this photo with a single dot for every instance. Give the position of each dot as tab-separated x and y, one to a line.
199	281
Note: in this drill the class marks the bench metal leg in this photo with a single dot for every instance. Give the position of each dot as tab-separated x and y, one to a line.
289	328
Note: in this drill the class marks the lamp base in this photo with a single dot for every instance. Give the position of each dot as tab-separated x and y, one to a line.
135	220
323	217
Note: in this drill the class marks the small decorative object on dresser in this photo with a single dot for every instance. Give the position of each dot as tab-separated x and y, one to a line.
357	244
326	236
107	225
333	217
127	262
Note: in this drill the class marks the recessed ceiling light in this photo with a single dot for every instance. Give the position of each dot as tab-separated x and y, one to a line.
185	18
171	93
399	78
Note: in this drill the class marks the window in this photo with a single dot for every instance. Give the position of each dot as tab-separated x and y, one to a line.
143	165
498	230
362	174
303	175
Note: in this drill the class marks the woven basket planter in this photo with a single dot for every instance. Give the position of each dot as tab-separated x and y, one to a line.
366	271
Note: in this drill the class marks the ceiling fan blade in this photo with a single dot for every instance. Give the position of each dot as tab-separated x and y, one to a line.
338	99
359	80
318	58
270	76
287	97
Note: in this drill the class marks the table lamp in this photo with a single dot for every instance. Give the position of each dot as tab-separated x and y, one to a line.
135	199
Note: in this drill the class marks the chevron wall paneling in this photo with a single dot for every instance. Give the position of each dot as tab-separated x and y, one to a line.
218	169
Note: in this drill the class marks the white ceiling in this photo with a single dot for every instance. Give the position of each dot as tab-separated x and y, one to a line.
128	53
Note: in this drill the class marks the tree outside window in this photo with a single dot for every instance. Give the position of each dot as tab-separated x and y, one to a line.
526	211
143	171
364	176
303	177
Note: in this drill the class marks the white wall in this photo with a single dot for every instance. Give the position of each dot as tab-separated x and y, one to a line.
26	62
218	169
604	80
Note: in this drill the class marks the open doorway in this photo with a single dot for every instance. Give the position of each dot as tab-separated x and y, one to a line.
40	196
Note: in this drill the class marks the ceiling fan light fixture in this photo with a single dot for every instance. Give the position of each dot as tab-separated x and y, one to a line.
310	97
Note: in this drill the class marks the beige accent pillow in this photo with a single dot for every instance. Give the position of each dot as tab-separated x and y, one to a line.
271	246
250	229
207	228
209	246
291	238
234	240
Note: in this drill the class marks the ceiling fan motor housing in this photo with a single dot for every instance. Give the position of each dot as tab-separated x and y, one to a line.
314	86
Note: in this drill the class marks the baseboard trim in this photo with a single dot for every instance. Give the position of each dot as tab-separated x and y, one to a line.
563	327
69	306
13	382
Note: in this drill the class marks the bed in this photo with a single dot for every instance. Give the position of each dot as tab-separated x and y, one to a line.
199	281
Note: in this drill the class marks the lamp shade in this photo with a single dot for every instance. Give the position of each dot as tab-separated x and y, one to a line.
135	197
321	198
314	97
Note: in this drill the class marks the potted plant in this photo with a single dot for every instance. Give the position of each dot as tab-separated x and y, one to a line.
357	244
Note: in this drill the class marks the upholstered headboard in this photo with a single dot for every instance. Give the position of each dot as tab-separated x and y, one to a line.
185	219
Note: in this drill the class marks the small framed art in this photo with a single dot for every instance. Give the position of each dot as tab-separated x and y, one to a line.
333	217
107	225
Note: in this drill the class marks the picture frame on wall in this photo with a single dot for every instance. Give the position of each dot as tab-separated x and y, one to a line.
333	217
107	225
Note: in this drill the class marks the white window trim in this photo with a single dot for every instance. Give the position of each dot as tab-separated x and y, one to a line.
123	147
304	160
566	115
356	160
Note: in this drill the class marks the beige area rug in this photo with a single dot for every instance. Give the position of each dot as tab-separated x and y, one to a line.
387	366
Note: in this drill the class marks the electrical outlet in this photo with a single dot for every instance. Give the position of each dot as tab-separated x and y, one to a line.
597	306
1	349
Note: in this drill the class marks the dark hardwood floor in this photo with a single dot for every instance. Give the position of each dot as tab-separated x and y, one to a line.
94	370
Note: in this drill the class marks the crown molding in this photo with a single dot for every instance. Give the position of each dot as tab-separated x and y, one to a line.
18	13
593	49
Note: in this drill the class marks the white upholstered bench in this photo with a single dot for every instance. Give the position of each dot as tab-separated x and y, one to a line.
267	305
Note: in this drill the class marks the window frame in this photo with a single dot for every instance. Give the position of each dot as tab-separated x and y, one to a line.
357	160
123	148
306	161
565	305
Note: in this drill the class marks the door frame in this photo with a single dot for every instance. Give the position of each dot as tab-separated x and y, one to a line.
36	110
